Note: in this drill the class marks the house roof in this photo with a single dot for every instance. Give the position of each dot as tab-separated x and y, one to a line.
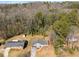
41	41
19	43
73	37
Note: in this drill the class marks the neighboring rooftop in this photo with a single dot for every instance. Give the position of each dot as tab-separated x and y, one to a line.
73	37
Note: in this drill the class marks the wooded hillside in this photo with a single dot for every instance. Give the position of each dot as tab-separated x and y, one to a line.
38	18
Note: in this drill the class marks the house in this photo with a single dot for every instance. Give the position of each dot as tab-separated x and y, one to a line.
73	35
16	44
73	39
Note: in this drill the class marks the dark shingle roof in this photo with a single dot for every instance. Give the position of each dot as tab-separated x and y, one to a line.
20	43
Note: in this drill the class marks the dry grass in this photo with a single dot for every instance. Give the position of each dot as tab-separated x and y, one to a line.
1	54
26	52
20	52
18	37
46	51
14	52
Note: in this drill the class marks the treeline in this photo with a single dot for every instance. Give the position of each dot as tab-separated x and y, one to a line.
19	24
